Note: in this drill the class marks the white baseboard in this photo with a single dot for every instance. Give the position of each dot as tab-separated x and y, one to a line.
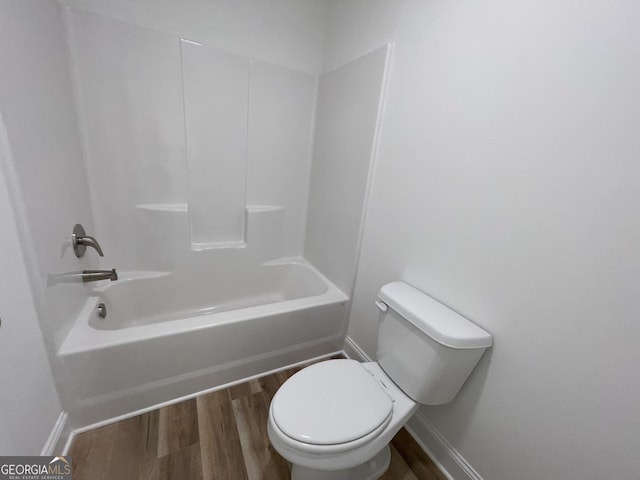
447	458
54	437
353	351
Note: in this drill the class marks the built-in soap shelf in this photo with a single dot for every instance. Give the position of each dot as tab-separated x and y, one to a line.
263	208
164	207
201	246
264	222
184	208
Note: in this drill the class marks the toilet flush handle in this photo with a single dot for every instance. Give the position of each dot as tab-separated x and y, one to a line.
381	305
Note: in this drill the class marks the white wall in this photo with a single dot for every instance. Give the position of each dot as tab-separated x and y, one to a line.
38	107
29	404
356	27
284	32
507	186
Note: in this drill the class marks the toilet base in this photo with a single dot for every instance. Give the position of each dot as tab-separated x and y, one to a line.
371	470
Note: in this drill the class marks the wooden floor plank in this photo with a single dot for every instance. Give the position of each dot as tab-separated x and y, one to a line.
130	458
245	389
91	452
270	385
184	464
419	462
220	448
177	427
261	460
398	468
218	397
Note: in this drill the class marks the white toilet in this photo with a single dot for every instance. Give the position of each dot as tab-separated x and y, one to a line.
335	419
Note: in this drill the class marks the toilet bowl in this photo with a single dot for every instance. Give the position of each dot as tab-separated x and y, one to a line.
337	415
334	420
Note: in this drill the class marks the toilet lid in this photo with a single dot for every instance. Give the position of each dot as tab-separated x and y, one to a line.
329	403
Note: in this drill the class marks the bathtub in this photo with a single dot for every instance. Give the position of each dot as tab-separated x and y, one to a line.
166	336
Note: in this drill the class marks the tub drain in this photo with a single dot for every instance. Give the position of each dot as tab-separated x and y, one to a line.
101	310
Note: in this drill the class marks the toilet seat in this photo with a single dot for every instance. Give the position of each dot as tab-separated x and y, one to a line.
333	403
351	454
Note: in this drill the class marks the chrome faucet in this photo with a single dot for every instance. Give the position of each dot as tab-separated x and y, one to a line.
80	241
96	275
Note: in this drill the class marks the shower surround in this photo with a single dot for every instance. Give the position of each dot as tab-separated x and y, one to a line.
193	169
198	164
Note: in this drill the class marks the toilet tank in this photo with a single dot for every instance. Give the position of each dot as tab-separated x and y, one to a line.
426	348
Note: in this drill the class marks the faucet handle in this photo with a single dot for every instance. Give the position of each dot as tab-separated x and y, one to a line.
80	241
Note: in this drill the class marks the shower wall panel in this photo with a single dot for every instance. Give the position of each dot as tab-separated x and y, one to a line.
129	84
216	98
37	105
281	107
181	137
347	123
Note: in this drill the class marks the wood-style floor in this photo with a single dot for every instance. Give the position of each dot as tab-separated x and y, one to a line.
220	435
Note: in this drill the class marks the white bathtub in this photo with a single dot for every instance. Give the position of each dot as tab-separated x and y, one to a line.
173	297
166	336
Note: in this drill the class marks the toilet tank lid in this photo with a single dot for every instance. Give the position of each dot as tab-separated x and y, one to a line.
433	318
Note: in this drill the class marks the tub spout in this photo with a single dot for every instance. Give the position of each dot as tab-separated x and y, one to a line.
95	275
